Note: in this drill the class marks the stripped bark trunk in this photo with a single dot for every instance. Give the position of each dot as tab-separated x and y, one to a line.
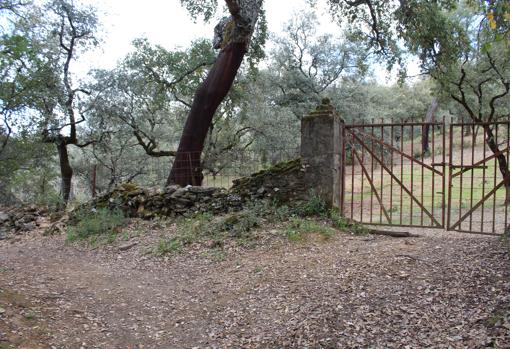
187	167
232	35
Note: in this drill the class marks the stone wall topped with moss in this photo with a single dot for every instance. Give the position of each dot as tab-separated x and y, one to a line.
282	183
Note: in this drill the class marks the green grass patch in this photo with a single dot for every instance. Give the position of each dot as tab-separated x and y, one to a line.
101	225
343	224
314	206
298	229
166	246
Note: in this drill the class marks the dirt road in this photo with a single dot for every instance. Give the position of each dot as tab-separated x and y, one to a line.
441	290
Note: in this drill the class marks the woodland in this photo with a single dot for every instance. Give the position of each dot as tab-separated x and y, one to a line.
163	202
176	117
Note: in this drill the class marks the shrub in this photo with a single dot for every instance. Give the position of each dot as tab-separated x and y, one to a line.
92	224
315	206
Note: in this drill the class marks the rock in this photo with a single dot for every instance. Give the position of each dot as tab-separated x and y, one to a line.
127	246
28	226
171	189
202	190
179	192
283	182
4	217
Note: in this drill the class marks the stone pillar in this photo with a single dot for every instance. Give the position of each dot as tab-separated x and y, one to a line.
321	153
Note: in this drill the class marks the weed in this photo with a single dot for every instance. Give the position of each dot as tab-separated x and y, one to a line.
217	254
346	225
93	224
30	315
298	228
239	223
315	206
166	246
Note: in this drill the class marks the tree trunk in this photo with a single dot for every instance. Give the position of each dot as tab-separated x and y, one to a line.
502	161
66	171
186	169
429	118
93	184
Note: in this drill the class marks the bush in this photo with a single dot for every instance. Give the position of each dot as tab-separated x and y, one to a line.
315	206
92	224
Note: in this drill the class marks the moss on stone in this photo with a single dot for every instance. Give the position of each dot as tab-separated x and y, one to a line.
258	177
128	187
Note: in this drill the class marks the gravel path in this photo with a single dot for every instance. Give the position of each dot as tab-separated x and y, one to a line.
439	290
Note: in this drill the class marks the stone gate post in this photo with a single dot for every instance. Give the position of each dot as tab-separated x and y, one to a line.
321	153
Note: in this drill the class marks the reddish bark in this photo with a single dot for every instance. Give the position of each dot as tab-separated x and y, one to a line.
186	169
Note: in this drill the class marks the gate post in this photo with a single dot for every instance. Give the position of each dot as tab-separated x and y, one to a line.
322	153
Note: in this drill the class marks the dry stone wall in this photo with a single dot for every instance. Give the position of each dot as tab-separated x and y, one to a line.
282	183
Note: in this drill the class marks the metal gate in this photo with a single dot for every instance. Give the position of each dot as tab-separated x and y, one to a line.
450	179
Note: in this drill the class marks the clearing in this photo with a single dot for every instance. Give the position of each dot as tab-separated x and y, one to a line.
441	290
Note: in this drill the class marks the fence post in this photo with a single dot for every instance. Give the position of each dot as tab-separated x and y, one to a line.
322	153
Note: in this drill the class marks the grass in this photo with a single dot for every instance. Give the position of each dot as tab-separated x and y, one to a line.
98	226
239	227
166	246
299	228
307	219
30	315
215	230
345	225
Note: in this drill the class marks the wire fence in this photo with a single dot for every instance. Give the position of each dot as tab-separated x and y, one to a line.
217	171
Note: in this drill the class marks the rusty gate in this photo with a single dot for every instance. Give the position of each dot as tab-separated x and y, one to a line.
434	175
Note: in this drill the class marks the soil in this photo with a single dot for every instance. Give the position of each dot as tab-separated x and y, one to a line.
440	290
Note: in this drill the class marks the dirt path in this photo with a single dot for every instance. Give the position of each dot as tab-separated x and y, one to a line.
440	290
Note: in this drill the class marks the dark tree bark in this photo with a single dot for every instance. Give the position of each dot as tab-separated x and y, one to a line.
429	118
502	161
93	184
66	171
232	35
187	168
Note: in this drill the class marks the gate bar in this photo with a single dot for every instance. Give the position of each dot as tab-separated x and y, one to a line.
366	135
396	179
486	197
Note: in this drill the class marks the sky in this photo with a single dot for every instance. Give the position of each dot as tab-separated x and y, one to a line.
163	22
166	23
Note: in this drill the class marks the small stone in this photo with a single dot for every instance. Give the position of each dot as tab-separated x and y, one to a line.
127	246
4	217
